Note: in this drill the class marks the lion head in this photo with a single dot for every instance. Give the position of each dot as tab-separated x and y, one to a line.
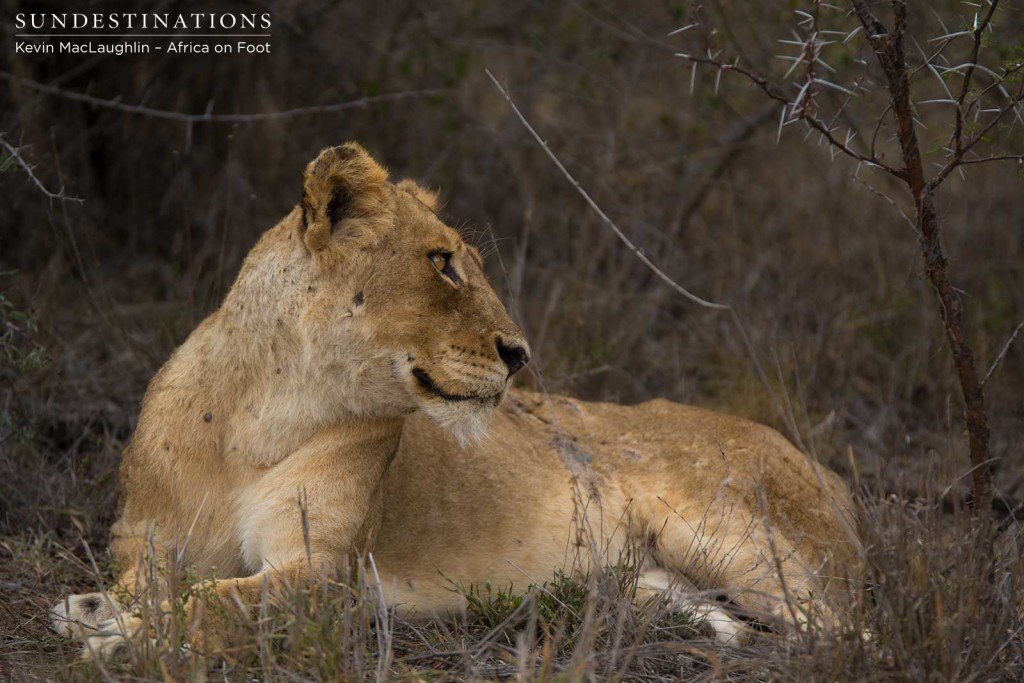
398	306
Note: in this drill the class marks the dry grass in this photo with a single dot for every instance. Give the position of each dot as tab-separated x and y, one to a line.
824	274
935	606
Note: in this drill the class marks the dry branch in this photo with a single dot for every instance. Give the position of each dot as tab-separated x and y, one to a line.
797	112
1002	354
15	154
209	117
597	209
979	31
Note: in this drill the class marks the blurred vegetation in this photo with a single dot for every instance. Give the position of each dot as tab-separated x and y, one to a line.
824	273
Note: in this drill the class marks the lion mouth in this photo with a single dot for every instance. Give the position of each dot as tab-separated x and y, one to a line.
428	384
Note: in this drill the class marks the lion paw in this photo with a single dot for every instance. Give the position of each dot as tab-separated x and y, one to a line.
111	637
78	614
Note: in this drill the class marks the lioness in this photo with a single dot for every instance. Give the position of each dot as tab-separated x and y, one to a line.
347	399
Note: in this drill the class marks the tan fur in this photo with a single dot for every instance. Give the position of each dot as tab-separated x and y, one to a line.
314	390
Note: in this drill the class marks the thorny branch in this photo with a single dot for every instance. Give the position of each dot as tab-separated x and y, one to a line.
957	159
14	154
888	45
995	157
965	87
797	112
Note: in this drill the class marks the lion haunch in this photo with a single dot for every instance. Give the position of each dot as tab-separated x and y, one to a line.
362	359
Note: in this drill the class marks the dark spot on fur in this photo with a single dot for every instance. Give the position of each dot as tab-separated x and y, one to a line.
359	298
208	417
409	357
279	371
91	605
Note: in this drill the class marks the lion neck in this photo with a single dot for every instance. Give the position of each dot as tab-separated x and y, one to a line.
253	369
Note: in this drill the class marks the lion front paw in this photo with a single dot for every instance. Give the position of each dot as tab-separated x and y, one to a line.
80	614
111	637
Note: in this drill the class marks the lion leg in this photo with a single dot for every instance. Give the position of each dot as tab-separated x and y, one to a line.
210	616
295	533
291	532
753	566
210	619
657	584
763	574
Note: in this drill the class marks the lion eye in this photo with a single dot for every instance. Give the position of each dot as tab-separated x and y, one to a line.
440	262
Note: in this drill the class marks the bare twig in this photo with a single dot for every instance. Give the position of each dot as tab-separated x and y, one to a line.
873	190
597	209
15	154
997	157
209	117
1002	354
791	426
965	87
878	128
957	159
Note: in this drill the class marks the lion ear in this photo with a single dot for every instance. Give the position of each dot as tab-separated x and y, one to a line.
342	183
426	197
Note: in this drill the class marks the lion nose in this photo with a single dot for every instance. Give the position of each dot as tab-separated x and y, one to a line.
513	354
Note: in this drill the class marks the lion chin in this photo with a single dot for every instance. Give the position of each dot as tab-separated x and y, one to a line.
467	421
460	405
